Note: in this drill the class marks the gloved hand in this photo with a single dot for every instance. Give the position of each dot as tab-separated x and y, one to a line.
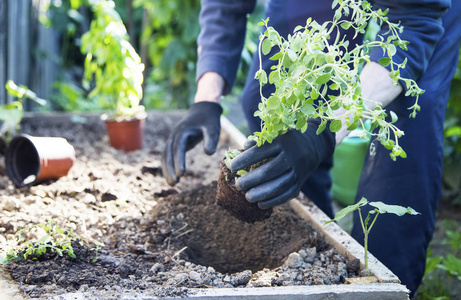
201	122
293	156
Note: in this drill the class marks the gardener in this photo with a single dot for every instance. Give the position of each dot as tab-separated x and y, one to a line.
433	29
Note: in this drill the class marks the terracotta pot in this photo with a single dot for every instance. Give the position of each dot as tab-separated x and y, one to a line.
126	135
31	160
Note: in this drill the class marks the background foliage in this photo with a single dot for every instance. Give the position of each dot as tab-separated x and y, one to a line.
163	32
452	140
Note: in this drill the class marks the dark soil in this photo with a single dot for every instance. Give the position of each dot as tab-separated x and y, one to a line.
158	241
233	200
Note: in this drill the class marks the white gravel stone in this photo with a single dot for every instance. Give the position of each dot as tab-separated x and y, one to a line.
294	260
195	276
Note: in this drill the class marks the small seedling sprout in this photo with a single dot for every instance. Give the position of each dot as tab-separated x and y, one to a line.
379	208
50	238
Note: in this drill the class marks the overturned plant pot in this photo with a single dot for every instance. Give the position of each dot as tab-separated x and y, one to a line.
31	159
233	200
126	135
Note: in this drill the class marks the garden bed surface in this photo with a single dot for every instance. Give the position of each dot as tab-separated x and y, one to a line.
158	240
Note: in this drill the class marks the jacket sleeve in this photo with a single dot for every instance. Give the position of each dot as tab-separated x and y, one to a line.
221	39
422	28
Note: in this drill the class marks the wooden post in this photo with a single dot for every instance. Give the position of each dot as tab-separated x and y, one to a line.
18	42
3	52
44	53
26	49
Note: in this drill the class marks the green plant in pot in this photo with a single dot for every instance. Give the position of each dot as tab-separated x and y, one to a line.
114	73
317	86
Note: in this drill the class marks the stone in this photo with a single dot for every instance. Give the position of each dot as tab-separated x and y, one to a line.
294	260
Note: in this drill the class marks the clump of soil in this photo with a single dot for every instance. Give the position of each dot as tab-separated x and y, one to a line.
158	241
233	200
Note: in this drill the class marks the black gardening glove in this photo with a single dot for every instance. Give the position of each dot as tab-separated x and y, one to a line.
201	122
293	156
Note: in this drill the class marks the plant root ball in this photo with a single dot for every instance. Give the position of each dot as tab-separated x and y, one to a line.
233	200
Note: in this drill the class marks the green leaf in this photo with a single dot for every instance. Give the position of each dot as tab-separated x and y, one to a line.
292	55
334	86
276	56
286	61
301	123
321	127
335	125
261	76
241	172
393	209
14	90
353	125
266	46
40	250
338	14
452	265
274	77
393	117
299	70
392	49
323	78
385	61
346	25
273	102
307	109
291	99
403	154
45	239
333	5
75	4
314	94
320	58
273	35
453	131
347	210
432	264
71	253
298	28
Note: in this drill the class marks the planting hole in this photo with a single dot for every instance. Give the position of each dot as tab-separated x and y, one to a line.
214	238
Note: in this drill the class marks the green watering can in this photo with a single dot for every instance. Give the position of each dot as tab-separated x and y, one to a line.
349	158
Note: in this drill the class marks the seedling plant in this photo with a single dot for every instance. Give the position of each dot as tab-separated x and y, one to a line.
50	239
372	216
315	76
